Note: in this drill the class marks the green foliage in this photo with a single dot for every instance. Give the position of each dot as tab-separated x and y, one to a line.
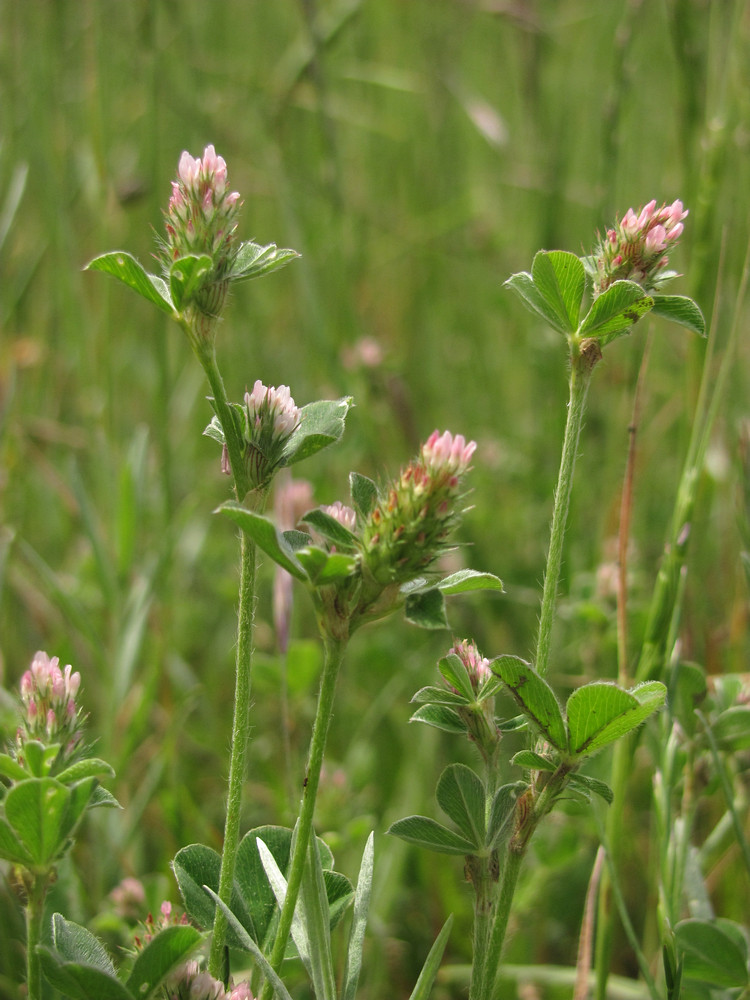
79	966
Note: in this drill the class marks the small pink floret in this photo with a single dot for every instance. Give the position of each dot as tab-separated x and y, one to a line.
341	513
444	453
188	169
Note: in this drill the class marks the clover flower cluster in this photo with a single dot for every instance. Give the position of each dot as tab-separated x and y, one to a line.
407	530
202	214
635	249
48	694
479	716
270	418
191	983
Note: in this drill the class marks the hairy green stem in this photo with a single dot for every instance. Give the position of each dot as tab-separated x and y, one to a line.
238	753
37	891
334	654
580	378
490	966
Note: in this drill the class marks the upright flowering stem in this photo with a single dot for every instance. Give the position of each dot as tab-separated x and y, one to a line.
238	753
335	647
580	377
36	888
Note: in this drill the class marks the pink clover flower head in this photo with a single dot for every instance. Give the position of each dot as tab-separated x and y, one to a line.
129	897
271	417
346	516
477	666
241	992
635	249
48	697
201	218
443	453
409	527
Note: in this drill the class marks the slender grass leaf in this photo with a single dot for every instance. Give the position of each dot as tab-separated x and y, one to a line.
502	812
533	761
591	786
600	713
278	884
534	696
426	609
523	284
265	535
331	529
131	272
317	921
438	696
430	968
460	795
453	669
359	922
561	279
253	260
682	310
712	955
615	311
320	423
440	717
426	832
187	276
247	943
469	579
162	955
364	493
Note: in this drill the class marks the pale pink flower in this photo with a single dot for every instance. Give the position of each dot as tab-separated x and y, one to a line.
477	666
341	513
635	248
270	403
442	453
48	695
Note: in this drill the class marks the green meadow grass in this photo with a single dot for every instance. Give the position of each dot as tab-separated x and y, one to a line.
416	152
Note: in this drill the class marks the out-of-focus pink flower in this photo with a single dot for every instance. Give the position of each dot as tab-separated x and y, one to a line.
292	498
635	248
346	516
129	898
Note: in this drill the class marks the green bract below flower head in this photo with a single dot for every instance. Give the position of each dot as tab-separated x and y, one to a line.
635	249
409	526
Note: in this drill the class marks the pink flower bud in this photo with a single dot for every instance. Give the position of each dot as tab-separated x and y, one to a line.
188	169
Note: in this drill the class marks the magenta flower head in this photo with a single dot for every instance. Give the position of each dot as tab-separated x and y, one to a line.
201	218
270	417
408	529
635	249
50	712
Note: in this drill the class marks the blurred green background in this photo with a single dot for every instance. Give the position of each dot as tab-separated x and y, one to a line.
416	152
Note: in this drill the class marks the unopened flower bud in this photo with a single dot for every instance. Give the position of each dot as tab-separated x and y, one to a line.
271	417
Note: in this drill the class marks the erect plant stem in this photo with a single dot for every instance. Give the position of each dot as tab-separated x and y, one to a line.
580	378
36	887
334	654
238	753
